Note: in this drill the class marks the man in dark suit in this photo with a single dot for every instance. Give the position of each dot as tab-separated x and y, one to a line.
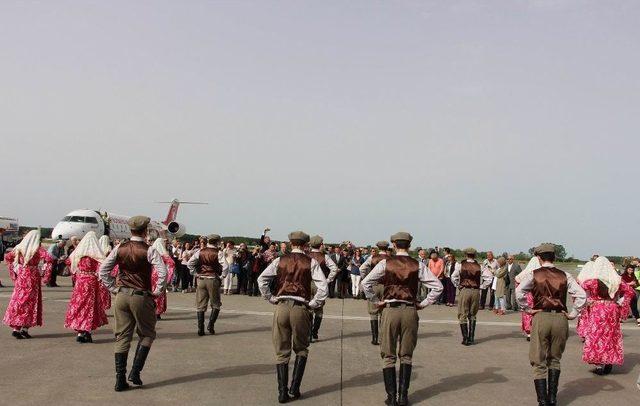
513	269
341	262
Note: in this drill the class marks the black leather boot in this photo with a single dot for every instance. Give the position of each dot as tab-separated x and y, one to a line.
607	369
374	332
472	332
317	321
403	384
541	391
121	371
464	328
283	381
138	364
554	377
200	323
296	379
390	386
212	321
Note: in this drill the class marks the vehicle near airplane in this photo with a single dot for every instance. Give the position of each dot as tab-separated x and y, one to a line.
9	228
79	222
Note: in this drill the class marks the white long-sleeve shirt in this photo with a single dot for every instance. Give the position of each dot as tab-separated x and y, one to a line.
573	289
485	279
194	263
154	259
425	276
317	276
365	268
333	268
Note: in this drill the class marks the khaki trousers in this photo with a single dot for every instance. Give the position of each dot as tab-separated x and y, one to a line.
374	311
319	312
291	329
134	312
549	333
208	292
398	334
468	303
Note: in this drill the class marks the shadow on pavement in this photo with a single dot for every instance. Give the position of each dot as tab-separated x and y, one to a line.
582	388
459	382
219	332
630	361
226	372
501	336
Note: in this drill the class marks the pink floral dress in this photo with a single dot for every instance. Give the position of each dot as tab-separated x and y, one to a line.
85	311
526	319
161	301
601	327
25	306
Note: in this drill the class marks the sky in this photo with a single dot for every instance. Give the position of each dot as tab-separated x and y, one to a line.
492	124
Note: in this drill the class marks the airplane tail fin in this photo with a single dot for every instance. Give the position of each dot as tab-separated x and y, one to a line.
173	209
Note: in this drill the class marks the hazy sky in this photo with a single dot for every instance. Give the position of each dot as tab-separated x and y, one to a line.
495	124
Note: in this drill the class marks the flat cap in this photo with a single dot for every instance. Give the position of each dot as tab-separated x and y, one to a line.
470	251
401	236
300	236
213	238
316	241
383	245
544	248
138	223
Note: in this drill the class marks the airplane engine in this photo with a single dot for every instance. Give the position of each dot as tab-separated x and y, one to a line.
176	229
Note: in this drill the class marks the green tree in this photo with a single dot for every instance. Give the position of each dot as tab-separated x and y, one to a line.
561	252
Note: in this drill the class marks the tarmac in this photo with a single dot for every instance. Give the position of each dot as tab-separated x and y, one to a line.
237	365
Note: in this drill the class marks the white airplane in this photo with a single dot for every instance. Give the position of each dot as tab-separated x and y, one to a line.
9	228
79	222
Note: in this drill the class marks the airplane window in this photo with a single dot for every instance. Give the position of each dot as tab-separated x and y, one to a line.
91	220
74	219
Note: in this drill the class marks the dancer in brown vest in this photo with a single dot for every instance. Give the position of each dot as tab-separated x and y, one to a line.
330	270
549	287
468	277
134	308
401	276
294	272
211	267
374	311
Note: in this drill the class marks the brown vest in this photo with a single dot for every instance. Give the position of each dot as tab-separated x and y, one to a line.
470	274
549	289
322	261
134	269
209	263
294	276
401	279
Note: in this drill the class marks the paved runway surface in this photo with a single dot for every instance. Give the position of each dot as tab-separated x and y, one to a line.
236	366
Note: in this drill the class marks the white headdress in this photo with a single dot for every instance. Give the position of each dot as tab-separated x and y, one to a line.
602	270
88	247
534	263
160	246
104	244
27	247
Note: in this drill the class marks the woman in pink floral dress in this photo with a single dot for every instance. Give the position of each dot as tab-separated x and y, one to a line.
105	295
608	302
525	318
85	311
25	307
161	301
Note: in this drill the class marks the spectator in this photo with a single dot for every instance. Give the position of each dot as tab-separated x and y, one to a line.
354	268
283	249
57	253
513	270
436	266
243	259
489	268
450	289
187	278
341	280
229	253
254	272
501	275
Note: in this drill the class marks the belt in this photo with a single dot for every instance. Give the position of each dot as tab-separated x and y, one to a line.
208	277
552	311
295	302
130	291
398	304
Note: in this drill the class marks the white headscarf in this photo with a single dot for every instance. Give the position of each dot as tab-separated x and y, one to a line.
88	247
104	244
602	270
160	246
534	263
27	247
